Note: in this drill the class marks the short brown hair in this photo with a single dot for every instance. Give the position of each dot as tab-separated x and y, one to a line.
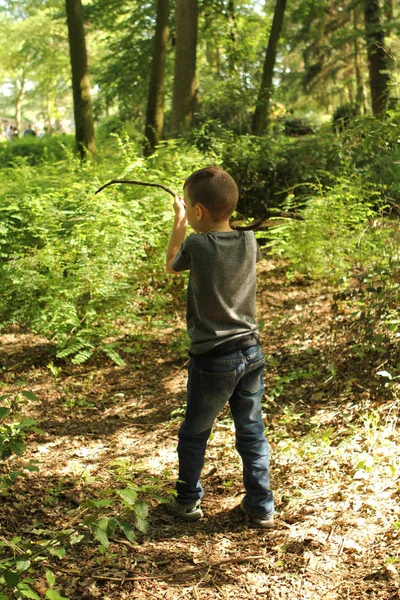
215	189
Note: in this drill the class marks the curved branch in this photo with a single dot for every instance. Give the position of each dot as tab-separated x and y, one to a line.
269	214
159	185
252	227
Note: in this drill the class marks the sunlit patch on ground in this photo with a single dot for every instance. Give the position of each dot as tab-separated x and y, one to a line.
335	468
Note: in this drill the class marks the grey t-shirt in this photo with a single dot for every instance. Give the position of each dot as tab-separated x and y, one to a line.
221	294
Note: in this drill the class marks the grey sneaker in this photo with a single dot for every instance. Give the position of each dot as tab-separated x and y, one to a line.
188	512
267	523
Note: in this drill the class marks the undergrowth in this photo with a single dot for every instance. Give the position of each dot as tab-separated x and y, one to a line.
85	270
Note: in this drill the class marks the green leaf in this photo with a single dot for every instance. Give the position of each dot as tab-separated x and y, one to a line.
141	524
103	523
114	355
54	595
100	535
27	591
17	448
59	552
129	496
75	539
22	564
4	411
127	529
30	396
141	509
103	503
50	577
31	467
11	578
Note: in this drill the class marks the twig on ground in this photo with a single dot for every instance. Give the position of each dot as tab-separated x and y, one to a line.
188	571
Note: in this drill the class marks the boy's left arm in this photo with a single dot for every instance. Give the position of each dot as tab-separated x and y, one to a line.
177	235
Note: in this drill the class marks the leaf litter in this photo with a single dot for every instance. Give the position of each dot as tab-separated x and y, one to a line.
332	426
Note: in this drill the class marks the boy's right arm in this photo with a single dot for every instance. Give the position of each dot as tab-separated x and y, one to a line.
177	235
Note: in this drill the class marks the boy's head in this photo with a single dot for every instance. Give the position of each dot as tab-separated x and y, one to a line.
215	190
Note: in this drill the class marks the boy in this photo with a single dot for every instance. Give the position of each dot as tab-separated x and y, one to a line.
226	360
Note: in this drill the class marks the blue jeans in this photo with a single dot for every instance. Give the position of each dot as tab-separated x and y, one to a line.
212	382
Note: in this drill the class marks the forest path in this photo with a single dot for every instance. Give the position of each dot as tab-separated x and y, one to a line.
332	428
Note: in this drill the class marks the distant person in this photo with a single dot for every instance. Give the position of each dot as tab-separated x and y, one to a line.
10	133
226	359
15	133
29	132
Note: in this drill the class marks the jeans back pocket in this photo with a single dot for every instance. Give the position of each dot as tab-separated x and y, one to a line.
217	388
253	381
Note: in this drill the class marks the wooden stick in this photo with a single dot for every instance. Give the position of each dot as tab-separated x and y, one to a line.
129	181
188	571
269	214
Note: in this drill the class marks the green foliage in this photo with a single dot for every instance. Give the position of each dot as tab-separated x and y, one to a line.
334	235
20	559
282	380
36	151
267	168
295	126
81	268
108	127
343	115
122	508
122	65
14	428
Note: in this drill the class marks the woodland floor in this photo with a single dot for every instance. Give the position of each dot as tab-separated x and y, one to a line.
335	463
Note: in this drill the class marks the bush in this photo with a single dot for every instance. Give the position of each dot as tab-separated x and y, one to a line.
36	151
343	116
296	127
337	234
108	127
81	268
267	169
14	429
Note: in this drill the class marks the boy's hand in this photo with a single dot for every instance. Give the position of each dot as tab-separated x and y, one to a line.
178	232
180	209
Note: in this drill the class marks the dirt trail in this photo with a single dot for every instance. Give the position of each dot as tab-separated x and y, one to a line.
332	429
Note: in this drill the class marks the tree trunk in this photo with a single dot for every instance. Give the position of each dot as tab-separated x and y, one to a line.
84	131
155	101
360	97
18	104
232	34
378	77
185	82
48	94
260	117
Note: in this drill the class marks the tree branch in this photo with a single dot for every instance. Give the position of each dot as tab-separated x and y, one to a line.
269	214
159	185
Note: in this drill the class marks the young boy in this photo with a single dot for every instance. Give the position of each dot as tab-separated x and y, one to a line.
226	360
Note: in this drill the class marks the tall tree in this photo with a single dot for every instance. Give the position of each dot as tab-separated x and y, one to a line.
155	101
260	117
121	55
84	130
360	96
377	58
185	81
